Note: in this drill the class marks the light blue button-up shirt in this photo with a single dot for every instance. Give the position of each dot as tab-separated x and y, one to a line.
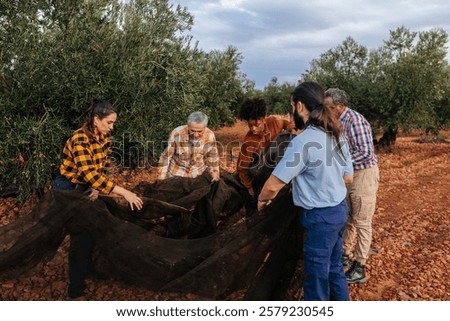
316	167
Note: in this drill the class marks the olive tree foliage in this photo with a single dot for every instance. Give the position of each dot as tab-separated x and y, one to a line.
247	89
417	78
277	96
402	84
57	55
222	83
352	67
343	66
443	108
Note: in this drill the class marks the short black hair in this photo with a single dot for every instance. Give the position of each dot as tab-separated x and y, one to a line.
253	108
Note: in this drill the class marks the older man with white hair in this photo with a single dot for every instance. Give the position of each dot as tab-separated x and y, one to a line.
191	150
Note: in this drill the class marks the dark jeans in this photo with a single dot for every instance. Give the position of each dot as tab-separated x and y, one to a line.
81	243
324	274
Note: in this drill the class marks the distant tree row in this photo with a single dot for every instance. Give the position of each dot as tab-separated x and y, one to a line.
404	84
55	56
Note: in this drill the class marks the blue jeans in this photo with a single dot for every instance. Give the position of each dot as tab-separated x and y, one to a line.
63	183
324	274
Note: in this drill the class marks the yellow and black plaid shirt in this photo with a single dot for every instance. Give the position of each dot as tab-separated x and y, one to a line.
85	158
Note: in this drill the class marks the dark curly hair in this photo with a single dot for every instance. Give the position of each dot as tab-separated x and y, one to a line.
252	108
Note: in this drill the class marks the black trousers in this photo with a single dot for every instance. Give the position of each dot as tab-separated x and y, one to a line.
81	244
80	262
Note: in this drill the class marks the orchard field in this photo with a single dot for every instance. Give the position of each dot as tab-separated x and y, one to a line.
411	239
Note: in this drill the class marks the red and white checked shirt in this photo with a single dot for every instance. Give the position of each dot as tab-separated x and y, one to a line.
186	158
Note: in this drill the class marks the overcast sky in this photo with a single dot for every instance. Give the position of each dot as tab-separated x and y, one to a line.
280	38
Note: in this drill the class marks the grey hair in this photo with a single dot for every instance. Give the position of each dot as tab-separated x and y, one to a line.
197	117
338	96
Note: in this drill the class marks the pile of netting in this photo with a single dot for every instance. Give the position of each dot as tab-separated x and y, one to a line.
173	243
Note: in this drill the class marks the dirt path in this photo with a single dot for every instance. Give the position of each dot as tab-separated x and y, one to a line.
411	236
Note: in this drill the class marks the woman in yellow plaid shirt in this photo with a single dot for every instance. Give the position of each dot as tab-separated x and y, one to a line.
85	157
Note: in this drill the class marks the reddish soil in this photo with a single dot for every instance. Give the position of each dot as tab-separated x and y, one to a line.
411	240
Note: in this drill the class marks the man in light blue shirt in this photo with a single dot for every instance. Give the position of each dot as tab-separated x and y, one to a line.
318	163
316	167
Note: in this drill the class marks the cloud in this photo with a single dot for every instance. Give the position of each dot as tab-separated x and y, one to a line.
281	38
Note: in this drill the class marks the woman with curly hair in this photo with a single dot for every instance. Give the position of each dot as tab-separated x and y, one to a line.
262	131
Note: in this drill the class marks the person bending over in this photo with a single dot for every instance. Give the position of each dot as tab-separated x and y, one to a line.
85	158
261	132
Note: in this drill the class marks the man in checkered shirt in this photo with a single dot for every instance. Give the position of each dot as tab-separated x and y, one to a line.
362	193
191	150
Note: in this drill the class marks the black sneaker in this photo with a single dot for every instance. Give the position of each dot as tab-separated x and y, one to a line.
345	260
356	273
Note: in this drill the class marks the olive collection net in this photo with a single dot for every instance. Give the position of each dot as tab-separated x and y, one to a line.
173	243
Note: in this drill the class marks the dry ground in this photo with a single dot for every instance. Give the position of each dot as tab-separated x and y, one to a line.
411	239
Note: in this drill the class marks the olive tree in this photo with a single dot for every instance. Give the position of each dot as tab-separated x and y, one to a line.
417	77
277	96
